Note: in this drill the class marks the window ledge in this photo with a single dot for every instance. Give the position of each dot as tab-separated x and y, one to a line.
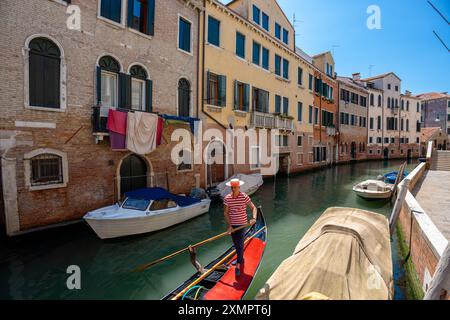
214	108
141	34
48	187
45	109
241	113
61	2
214	46
111	23
301	86
191	54
282	79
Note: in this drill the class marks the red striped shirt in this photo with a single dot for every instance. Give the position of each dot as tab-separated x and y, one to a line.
237	208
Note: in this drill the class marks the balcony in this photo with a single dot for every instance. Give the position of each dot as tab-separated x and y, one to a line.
331	131
271	121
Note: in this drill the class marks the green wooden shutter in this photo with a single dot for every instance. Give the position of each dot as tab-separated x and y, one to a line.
246	97
222	91
124	91
150	17
236	95
99	85
130	13
149	95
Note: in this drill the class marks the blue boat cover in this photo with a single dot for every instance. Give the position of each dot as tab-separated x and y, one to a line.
160	194
392	176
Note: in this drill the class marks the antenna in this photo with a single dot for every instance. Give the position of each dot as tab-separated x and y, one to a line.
294	24
334	46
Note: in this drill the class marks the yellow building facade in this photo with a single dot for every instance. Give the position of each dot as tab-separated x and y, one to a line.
253	78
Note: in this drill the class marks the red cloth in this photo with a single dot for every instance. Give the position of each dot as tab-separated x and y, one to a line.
117	121
159	131
232	288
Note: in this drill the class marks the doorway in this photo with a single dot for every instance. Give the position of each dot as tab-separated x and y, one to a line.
133	174
386	153
353	151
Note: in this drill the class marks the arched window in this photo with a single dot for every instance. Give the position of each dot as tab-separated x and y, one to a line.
396	102
379	100
138	88
389	102
44	73
372	99
108	82
184	98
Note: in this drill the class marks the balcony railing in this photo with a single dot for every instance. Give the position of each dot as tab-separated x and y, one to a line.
271	121
331	131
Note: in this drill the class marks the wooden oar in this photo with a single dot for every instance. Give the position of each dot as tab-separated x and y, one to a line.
218	264
148	265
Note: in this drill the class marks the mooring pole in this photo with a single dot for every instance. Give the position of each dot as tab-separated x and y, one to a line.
440	285
398	204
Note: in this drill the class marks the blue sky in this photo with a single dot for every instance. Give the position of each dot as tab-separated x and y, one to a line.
405	43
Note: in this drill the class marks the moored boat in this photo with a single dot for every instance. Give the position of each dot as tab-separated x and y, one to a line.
345	255
252	182
391	177
373	189
143	211
218	281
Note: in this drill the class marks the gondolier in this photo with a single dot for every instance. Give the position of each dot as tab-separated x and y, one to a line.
235	211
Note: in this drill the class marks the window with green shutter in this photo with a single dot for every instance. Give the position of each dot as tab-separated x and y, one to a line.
241	96
285	69
285	106
277	104
265	58
213	31
216	89
310	119
256	53
240	45
277	65
300	76
299	111
277	31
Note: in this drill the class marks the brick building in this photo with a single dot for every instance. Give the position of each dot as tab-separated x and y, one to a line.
353	119
325	109
139	56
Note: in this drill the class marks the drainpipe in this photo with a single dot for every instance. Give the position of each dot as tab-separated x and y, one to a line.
338	120
203	69
198	58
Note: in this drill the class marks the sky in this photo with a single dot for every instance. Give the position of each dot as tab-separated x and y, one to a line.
405	44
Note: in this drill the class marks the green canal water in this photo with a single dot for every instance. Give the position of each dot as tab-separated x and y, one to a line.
34	266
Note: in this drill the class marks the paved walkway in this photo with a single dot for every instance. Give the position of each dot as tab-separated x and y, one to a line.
433	194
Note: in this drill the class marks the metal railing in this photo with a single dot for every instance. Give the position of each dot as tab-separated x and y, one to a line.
271	121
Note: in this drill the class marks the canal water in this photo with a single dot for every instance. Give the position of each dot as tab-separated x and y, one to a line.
35	266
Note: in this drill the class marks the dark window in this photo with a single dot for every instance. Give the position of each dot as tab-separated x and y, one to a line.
265	21
371	123
299	141
111	9
184	36
240	45
310	86
184	98
396	88
277	104
141	16
372	99
379	100
139	89
260	100
316	115
389	86
300	76
285	69
277	65
256	15
285	36
327	118
265	58
44	73
214	31
256	53
299	111
241	96
310	116
216	89
277	31
285	106
46	169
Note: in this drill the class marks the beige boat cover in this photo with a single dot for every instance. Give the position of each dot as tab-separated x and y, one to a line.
346	255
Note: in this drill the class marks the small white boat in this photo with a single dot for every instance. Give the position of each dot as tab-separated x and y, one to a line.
373	189
143	211
252	182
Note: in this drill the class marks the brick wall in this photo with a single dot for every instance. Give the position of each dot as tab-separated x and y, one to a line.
92	167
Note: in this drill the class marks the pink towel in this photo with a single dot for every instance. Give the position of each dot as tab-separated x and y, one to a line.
117	121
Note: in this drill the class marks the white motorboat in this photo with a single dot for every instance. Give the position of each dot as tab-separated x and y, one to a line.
143	211
373	189
252	182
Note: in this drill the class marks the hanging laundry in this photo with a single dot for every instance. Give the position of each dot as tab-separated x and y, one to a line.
189	120
159	131
142	132
117	121
117	126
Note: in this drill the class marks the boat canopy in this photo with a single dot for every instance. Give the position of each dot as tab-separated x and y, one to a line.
346	255
161	194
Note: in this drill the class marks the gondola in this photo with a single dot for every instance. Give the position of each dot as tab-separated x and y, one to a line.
218	281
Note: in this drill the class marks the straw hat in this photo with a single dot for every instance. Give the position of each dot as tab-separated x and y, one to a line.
235	183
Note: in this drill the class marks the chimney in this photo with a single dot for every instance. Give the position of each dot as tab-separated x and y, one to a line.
408	93
356	77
